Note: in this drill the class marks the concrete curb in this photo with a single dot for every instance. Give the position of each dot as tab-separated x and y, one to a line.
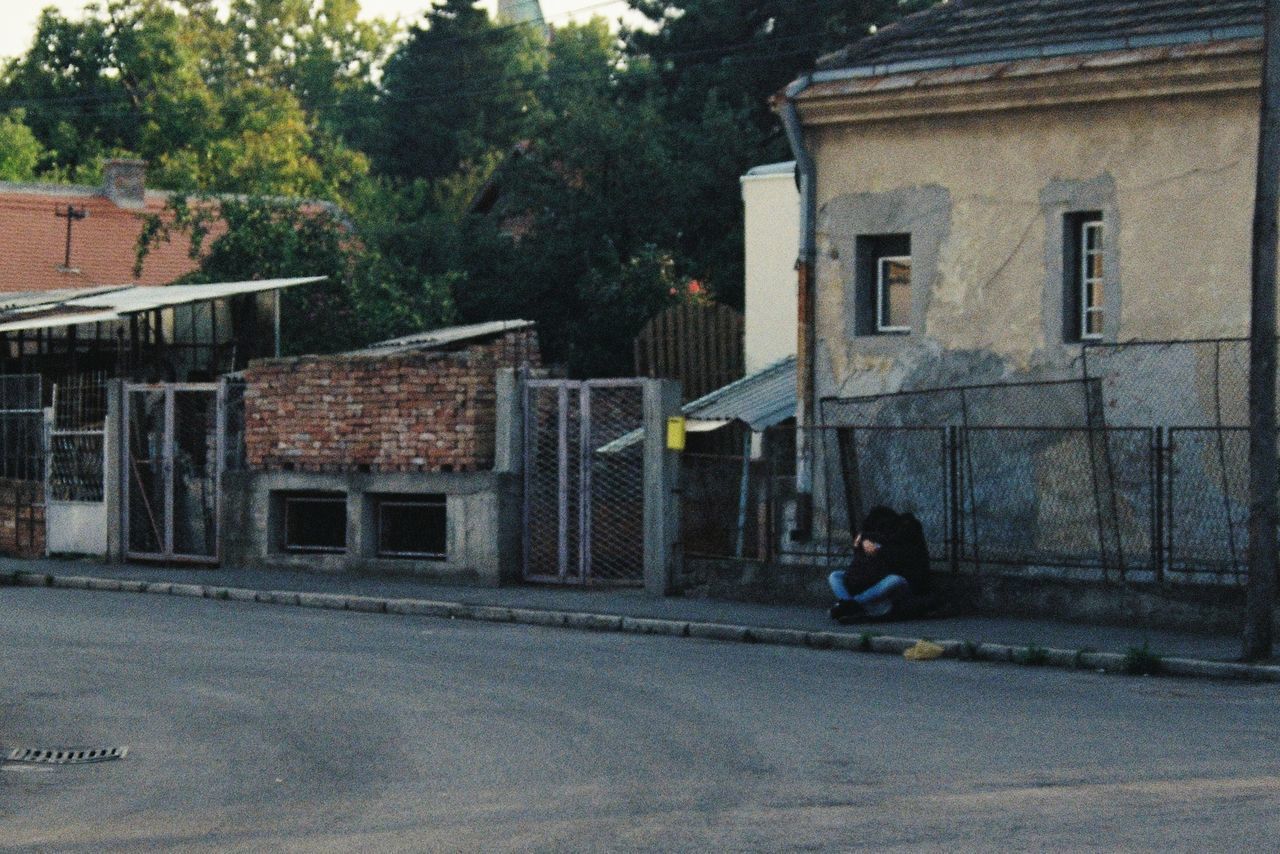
1027	656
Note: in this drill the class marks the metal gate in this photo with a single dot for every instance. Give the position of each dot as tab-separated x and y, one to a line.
75	488
584	481
173	440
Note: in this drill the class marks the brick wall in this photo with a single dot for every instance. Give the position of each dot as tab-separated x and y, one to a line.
22	531
401	412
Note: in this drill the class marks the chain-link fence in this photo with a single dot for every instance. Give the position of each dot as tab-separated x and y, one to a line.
584	481
1129	466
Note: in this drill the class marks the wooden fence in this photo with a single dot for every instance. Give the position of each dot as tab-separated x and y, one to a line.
699	345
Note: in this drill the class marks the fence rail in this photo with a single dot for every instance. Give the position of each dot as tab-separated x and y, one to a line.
1114	504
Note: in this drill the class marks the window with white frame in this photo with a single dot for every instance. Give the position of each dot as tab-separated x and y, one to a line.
1085	274
1091	280
893	293
884	284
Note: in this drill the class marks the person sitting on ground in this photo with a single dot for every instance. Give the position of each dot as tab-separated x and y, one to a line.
890	568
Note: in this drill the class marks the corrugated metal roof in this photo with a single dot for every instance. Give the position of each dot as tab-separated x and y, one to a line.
770	169
760	400
443	337
93	305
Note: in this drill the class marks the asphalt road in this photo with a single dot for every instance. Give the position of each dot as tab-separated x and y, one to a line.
253	727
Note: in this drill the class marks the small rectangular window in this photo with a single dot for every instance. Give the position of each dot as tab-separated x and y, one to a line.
893	293
883	284
1084	272
314	522
412	526
1091	282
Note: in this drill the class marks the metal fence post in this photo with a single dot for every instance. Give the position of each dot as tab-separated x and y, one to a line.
954	519
1157	503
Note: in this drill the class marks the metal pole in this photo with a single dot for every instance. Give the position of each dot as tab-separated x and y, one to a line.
1257	640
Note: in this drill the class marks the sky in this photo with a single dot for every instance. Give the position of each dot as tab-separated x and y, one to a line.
18	17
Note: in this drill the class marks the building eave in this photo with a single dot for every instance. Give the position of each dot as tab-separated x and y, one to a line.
1171	70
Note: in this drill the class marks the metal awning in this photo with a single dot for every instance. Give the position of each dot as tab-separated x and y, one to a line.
22	311
761	400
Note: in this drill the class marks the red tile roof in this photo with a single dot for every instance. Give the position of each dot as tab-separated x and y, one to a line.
103	245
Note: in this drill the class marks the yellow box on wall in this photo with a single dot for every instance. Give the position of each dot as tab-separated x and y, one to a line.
675	433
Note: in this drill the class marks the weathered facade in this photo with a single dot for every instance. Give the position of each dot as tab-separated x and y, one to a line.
983	169
993	192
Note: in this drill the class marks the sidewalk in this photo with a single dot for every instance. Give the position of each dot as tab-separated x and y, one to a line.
633	603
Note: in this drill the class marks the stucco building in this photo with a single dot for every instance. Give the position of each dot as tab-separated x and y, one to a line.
996	181
994	192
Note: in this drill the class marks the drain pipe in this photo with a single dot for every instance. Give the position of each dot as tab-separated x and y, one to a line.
805	409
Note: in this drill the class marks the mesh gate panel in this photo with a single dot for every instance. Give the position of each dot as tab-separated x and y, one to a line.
1058	497
1208	515
584	503
148	517
546	515
616	484
195	473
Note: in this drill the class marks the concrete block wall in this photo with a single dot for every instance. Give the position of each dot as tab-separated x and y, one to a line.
420	411
482	536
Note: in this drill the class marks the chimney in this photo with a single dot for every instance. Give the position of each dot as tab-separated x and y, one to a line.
125	182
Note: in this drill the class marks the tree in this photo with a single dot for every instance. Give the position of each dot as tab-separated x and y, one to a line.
716	63
458	89
599	197
368	296
743	51
172	83
20	151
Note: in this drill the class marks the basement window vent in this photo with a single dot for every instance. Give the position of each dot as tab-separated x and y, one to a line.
314	522
411	526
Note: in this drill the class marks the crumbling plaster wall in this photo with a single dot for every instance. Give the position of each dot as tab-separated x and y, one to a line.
984	195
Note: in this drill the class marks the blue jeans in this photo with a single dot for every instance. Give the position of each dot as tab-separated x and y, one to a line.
876	600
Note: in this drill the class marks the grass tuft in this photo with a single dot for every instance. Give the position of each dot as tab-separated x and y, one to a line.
1141	661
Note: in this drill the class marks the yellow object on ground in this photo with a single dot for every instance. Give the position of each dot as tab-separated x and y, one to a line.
923	651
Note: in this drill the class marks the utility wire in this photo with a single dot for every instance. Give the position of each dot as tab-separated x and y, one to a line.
742	52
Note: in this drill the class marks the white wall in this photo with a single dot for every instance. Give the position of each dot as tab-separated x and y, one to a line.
772	234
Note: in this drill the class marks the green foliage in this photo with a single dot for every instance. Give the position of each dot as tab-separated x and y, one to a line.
864	641
1141	661
626	187
177	85
458	88
1033	656
369	295
20	151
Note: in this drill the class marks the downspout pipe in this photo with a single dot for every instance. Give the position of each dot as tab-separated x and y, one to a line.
805	382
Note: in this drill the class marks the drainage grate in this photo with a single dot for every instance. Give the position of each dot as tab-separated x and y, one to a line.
65	756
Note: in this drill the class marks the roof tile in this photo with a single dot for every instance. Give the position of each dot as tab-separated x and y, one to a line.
962	28
103	245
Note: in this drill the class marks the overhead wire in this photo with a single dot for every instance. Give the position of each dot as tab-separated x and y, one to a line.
527	83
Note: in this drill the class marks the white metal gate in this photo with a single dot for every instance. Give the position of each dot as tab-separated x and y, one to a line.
75	486
584	481
173	460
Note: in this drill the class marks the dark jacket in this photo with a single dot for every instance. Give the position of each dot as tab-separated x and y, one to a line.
903	551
